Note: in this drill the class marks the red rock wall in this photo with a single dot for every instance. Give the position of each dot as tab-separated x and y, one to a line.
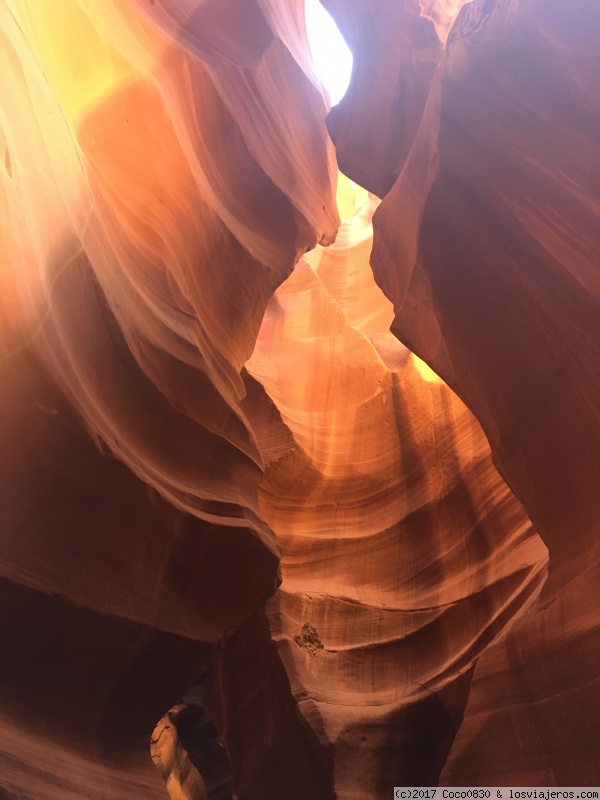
503	303
194	412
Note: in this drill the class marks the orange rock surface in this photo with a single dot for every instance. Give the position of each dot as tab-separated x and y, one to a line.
300	469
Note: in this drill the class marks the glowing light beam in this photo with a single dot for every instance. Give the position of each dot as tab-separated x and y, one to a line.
330	53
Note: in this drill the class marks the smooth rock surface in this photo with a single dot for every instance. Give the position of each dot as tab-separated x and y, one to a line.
299	472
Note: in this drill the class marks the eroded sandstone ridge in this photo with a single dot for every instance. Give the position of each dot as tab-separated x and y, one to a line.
247	534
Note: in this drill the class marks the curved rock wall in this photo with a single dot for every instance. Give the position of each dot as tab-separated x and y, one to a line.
403	552
202	404
503	303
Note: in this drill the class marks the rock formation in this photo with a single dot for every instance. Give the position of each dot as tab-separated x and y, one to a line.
300	469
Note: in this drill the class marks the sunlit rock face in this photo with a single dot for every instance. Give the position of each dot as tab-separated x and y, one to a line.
253	545
403	551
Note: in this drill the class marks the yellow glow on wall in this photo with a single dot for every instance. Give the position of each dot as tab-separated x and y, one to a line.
80	66
349	196
425	371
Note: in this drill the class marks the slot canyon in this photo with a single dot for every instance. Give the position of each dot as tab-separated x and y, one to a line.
299	402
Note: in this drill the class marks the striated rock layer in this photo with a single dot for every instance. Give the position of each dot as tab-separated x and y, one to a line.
503	303
222	467
403	552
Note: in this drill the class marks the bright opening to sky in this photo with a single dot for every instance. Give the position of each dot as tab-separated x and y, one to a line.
331	55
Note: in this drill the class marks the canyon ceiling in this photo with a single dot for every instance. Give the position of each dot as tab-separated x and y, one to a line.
300	469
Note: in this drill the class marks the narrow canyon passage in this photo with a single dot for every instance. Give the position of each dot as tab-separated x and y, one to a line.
300	468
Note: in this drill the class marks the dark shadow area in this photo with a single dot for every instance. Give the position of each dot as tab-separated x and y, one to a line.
274	752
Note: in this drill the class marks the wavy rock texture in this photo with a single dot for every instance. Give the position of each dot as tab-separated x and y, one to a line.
403	551
503	303
216	458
